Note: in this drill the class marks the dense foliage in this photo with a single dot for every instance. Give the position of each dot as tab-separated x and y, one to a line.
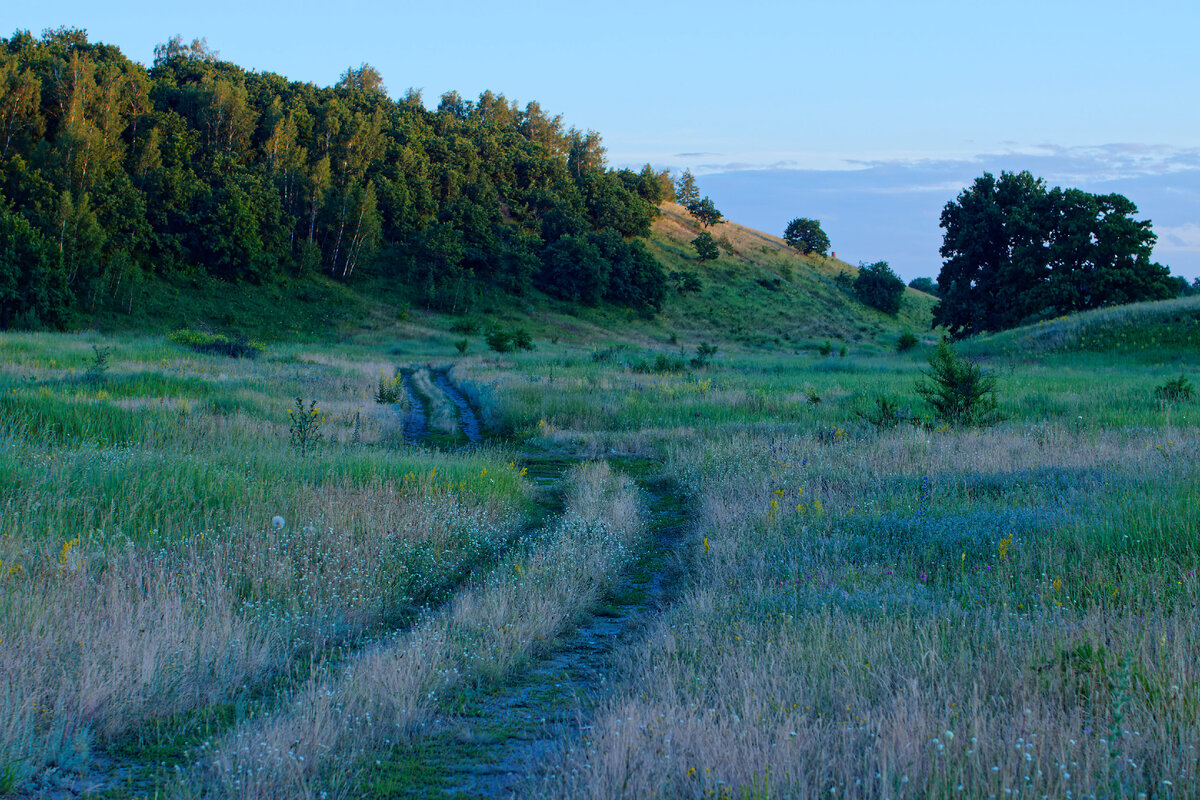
806	236
1016	252
112	174
878	286
706	247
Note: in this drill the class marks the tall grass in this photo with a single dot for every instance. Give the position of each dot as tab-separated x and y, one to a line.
390	693
142	580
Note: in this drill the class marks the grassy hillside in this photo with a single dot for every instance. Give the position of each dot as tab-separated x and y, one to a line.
1163	330
759	294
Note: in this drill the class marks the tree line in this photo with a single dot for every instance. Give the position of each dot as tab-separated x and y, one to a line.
112	174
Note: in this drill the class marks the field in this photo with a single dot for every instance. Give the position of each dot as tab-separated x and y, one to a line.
657	575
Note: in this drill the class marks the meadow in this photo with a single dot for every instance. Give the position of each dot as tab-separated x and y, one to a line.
861	606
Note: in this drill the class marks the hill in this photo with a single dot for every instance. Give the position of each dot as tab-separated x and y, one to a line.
1152	331
758	294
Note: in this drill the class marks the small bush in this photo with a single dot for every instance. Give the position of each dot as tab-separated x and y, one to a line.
960	392
1174	390
499	340
884	413
704	354
826	348
878	287
468	326
99	363
216	343
461	346
522	340
660	363
906	342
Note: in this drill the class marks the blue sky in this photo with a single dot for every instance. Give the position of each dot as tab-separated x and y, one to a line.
867	115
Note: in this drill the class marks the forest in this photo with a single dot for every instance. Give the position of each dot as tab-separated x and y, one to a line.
113	174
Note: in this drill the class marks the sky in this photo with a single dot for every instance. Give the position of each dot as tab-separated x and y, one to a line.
868	116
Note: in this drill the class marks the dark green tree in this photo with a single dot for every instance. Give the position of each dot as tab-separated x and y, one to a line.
706	247
1015	252
33	285
878	287
806	236
925	285
705	212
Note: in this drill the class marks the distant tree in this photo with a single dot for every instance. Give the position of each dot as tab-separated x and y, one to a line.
1015	252
806	236
175	47
365	79
706	248
705	212
878	287
925	285
1181	288
685	190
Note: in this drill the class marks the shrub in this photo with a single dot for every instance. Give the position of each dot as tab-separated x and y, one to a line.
522	340
467	326
505	341
907	341
99	363
216	343
499	340
1176	389
878	287
461	346
961	393
826	348
884	413
704	354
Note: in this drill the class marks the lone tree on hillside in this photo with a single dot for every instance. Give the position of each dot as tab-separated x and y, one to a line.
706	212
806	236
706	248
925	285
1015	252
878	287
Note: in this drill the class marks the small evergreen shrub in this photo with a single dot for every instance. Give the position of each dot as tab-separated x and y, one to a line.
906	342
99	363
960	393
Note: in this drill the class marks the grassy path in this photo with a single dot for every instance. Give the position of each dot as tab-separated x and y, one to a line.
491	739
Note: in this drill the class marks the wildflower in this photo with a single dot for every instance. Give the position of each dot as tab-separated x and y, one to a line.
66	551
277	522
706	544
1004	546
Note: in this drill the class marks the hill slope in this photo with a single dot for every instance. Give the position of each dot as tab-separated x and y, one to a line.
759	294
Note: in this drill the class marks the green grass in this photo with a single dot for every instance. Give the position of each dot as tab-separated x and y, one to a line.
848	593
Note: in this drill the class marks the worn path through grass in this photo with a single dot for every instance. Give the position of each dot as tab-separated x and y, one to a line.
495	739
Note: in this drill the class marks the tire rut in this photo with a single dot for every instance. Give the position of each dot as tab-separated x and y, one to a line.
491	743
